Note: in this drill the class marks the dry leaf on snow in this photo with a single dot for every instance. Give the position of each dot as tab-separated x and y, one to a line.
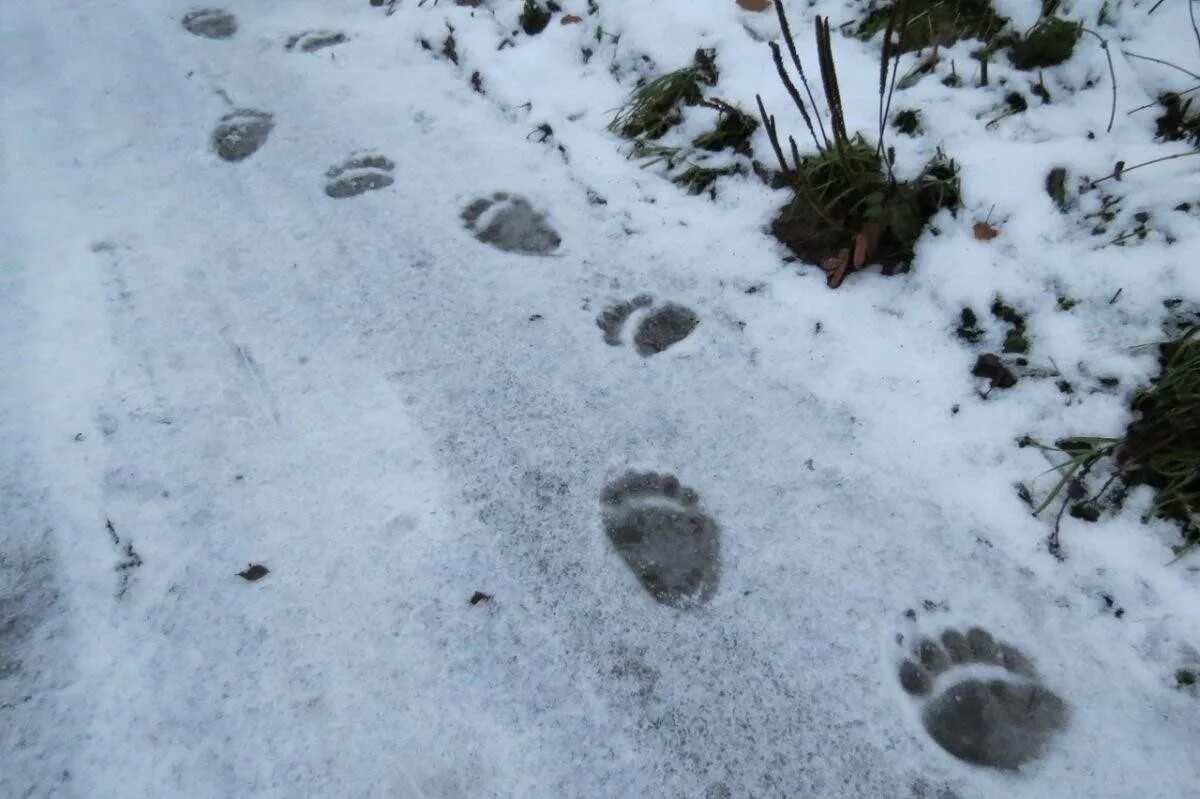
985	232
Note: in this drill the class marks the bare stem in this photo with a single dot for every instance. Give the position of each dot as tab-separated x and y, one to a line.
791	46
1124	170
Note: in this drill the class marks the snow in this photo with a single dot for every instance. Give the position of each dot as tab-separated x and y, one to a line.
232	367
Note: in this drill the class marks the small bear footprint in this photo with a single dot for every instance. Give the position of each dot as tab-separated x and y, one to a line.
312	41
509	222
211	23
240	133
1003	722
666	325
670	546
358	174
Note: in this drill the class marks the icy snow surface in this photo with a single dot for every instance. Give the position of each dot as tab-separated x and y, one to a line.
365	354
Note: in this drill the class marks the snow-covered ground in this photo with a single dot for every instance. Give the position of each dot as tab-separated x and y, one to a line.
304	359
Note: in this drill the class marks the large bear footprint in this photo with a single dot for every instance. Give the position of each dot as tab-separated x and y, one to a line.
358	174
1002	722
509	222
666	325
240	133
211	23
670	546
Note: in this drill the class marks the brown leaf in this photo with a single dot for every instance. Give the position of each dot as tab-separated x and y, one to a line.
860	249
571	19
985	232
865	241
754	5
835	268
479	596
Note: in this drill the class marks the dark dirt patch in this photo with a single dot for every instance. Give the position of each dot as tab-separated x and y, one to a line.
990	367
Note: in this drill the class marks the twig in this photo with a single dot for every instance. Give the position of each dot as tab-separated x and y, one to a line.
772	134
1125	169
791	45
1192	18
1052	542
902	18
1161	61
1104	488
1155	102
1112	74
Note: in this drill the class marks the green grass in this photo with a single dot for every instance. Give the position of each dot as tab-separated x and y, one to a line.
655	107
1161	446
847	191
847	209
1049	44
937	22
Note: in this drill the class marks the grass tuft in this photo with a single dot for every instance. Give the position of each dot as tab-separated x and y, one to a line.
937	22
1160	448
655	107
1049	44
847	209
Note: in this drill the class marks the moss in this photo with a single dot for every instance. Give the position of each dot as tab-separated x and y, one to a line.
1006	313
450	49
968	327
907	122
1185	678
1016	102
534	18
1016	342
1178	122
1049	44
937	22
733	131
1056	187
